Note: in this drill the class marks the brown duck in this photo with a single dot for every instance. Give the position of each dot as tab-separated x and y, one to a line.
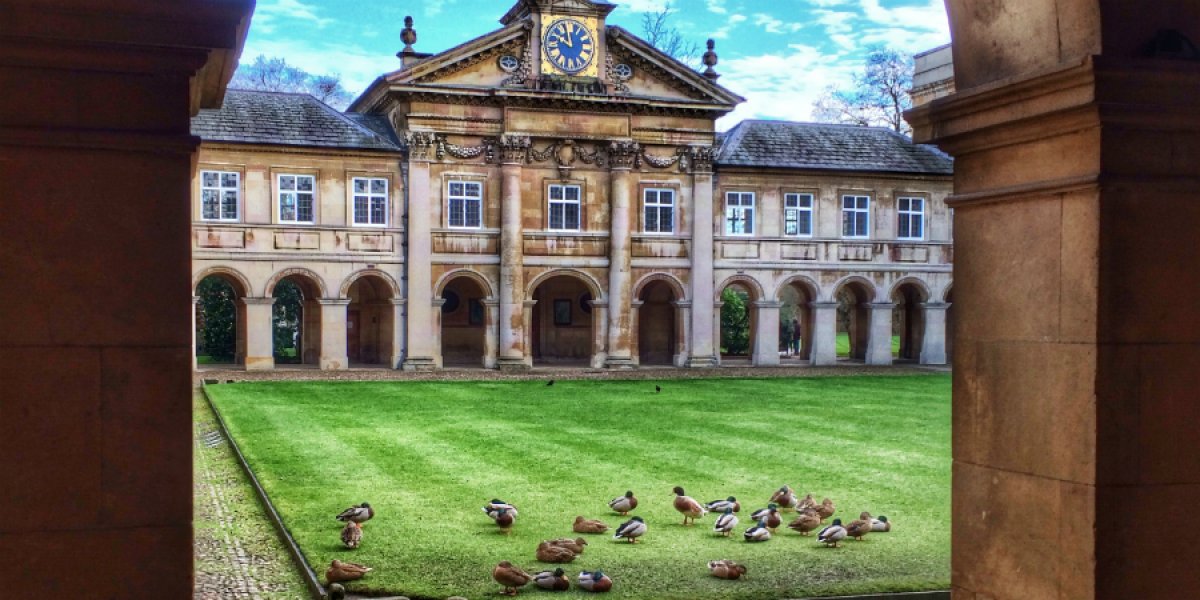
547	552
689	507
345	571
825	509
352	535
785	498
511	577
574	545
808	520
859	527
726	569
583	525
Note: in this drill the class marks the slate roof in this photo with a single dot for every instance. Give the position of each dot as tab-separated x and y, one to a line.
821	146
291	120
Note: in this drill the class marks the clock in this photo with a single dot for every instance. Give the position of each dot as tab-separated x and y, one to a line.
569	45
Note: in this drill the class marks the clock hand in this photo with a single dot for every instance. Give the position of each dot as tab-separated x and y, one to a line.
566	40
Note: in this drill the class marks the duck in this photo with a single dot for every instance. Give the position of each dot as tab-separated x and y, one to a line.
806	502
574	545
831	535
595	581
859	527
726	569
881	524
504	520
511	577
825	509
718	506
336	591
352	535
493	507
357	514
339	571
757	533
547	552
631	530
808	520
583	525
785	498
688	506
770	514
622	505
555	581
725	523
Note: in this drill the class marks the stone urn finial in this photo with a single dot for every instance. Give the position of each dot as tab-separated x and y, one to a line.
408	35
710	61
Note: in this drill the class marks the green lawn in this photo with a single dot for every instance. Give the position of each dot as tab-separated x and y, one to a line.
843	344
427	455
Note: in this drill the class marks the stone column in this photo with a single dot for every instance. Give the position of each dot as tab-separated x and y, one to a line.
526	339
933	341
398	332
333	335
879	338
766	334
620	283
195	305
714	329
491	348
599	328
436	306
419	354
824	334
514	353
705	327
683	332
635	332
260	343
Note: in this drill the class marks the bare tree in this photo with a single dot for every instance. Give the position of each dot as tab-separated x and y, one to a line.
879	97
276	75
656	30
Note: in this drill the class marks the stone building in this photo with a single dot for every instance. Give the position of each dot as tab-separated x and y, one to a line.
556	192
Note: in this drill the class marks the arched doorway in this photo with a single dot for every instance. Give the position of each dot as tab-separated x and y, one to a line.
908	321
296	320
464	319
370	321
738	320
563	316
853	319
658	332
796	298
220	320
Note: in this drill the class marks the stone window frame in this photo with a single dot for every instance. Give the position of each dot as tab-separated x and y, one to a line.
387	198
741	192
813	198
676	211
241	191
547	190
923	215
870	196
276	192
451	178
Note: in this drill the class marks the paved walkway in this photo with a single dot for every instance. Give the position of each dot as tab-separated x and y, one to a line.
238	555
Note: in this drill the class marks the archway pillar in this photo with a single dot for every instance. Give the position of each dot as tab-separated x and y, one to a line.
526	340
398	325
333	334
683	319
621	329
420	347
491	347
515	315
195	307
714	332
706	318
766	335
879	338
436	306
635	322
260	347
599	327
933	341
824	333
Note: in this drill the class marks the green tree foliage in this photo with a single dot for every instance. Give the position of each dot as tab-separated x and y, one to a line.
276	75
288	314
735	322
880	94
217	319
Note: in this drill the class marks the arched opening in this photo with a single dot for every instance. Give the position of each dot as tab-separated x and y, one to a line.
738	320
853	320
370	321
658	334
220	321
796	320
908	322
950	326
296	321
464	319
562	322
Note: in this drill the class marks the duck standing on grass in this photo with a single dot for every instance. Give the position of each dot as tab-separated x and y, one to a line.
631	530
859	527
352	535
719	506
808	520
339	571
357	514
495	505
806	502
555	581
785	498
758	533
726	569
725	523
504	520
825	509
770	514
623	504
511	577
881	524
830	536
595	581
583	525
688	506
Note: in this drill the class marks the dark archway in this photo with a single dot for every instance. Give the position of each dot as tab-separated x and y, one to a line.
562	322
464	319
908	321
657	328
738	320
220	320
796	296
296	320
370	322
853	319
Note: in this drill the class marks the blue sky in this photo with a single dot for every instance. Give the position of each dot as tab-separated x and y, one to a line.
779	54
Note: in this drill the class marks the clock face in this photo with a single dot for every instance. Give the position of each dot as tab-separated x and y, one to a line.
569	45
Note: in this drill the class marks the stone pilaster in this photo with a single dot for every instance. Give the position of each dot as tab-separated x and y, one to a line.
260	345
195	306
635	323
399	324
436	307
933	342
683	319
491	348
333	335
599	328
513	353
824	334
766	334
526	334
705	329
714	328
879	338
420	349
620	283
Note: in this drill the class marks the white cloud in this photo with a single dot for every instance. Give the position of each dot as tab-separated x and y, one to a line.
639	6
783	85
732	21
434	8
773	24
929	18
269	11
357	67
716	6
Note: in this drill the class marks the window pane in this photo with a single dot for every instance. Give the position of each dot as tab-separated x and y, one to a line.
360	209
651	196
287	182
860	227
304	184
456	212
917	226
862	202
804	223
456	188
556	192
304	207
208	204
651	219
556	216
902	204
209	178
790	225
360	185
378	208
287	207
474	218
572	192
229	180
666	220
229	205
378	186
472	189
806	201
572	219
903	230
749	216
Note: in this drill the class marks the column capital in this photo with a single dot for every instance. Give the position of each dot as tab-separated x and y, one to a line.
682	303
623	155
490	302
195	300
530	303
881	305
333	301
934	305
766	304
823	305
636	303
397	301
718	304
256	301
513	149
596	303
438	302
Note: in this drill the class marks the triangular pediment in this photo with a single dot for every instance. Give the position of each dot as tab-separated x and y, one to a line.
657	75
475	63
